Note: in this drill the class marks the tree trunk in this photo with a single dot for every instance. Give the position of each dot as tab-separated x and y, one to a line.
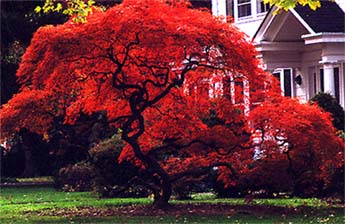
161	201
162	197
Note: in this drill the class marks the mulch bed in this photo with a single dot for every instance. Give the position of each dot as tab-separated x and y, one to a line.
181	210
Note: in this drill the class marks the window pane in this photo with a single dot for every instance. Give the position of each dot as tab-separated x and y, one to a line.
336	83
315	88
262	7
322	84
229	8
277	76
238	91
243	1
287	82
244	10
227	87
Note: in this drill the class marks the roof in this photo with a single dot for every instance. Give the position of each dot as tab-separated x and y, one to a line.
328	18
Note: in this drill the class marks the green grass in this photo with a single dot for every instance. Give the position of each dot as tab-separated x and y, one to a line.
21	205
290	202
46	196
16	202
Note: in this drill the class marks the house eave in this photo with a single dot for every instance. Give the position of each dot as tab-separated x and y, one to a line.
279	46
319	38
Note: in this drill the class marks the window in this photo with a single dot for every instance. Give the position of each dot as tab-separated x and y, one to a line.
229	8
262	7
202	4
315	83
244	8
277	75
202	89
317	80
285	80
238	91
227	87
336	83
322	82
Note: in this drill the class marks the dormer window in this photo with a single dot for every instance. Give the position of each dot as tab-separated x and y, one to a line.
244	8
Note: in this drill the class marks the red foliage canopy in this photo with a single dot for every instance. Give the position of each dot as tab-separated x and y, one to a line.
301	134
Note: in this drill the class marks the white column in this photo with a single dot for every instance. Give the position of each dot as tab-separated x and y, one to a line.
328	77
232	89
246	97
254	7
219	8
235	10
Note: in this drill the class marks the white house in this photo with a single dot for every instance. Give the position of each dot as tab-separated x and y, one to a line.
304	49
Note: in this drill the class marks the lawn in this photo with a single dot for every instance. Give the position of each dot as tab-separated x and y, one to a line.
46	205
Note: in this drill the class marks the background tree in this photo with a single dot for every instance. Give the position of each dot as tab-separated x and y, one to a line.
287	4
18	23
327	102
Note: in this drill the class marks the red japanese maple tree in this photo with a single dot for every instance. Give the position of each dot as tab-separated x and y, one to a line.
143	62
302	139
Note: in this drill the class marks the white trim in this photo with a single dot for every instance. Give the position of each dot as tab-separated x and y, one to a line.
264	27
301	20
342	83
249	19
235	11
331	59
281	73
279	46
317	38
218	8
254	8
328	78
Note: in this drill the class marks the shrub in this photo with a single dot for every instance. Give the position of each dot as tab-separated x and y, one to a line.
184	188
114	179
265	178
77	177
273	177
229	192
327	102
298	143
102	173
335	188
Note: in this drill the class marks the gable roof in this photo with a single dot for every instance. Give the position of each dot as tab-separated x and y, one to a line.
328	18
